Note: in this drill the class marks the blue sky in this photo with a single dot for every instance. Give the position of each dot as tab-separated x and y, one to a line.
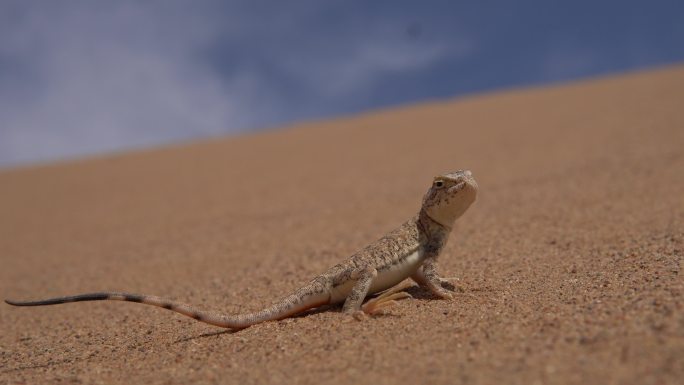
85	77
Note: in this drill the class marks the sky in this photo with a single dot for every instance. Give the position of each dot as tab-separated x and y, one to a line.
80	78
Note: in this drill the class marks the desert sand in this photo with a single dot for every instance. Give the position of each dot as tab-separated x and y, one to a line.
568	268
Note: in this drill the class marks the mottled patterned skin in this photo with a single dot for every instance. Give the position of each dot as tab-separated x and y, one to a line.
409	251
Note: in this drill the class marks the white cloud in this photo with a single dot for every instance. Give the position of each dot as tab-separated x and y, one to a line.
105	78
343	73
89	77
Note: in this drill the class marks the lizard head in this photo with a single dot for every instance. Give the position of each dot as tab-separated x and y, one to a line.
450	196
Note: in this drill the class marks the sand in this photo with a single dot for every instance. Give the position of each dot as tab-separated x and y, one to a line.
569	265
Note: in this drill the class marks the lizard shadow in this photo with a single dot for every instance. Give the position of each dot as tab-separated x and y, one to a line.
417	292
420	292
206	335
233	331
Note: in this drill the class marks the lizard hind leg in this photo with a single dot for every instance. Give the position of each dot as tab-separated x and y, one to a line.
386	299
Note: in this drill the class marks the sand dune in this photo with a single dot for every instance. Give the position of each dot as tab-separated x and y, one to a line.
569	265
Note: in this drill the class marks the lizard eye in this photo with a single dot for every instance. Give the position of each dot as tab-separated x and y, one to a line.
439	183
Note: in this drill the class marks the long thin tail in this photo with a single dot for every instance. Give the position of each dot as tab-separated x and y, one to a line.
291	305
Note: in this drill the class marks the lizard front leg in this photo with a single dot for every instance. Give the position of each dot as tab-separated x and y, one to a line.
427	276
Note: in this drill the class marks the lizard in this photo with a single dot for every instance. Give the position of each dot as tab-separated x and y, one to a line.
410	251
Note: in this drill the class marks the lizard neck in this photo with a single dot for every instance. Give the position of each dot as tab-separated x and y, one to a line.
436	234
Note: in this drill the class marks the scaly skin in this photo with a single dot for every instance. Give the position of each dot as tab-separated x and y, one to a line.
410	251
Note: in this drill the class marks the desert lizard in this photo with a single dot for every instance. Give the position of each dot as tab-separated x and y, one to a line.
409	251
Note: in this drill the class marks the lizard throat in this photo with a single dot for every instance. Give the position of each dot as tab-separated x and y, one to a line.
425	217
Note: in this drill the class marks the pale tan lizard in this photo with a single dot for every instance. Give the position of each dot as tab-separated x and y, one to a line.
409	251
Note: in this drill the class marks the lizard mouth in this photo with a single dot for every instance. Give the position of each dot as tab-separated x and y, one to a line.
457	187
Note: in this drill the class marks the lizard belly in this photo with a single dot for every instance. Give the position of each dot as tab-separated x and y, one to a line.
385	279
396	273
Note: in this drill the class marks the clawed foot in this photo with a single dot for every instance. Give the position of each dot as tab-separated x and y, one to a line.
448	283
438	290
386	299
